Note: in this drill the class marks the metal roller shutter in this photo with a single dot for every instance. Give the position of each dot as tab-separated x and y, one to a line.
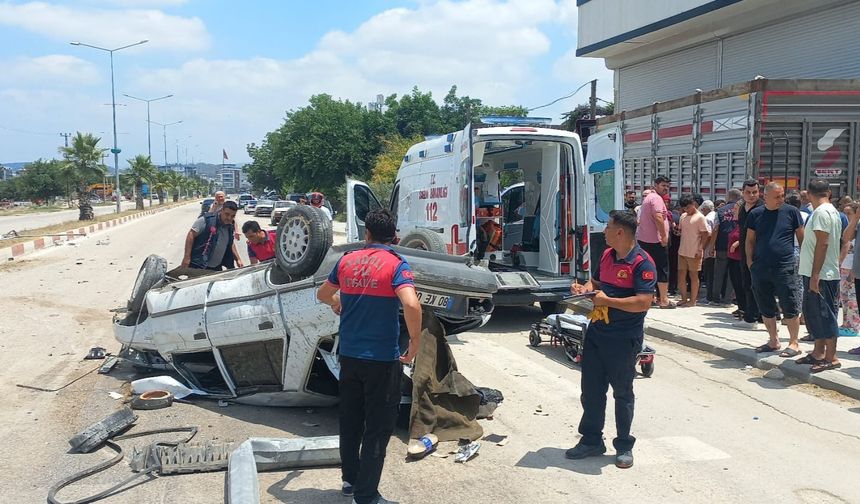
668	77
819	45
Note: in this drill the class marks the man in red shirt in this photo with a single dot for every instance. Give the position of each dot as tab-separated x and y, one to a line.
261	243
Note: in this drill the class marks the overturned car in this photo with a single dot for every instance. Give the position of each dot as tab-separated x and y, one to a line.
259	335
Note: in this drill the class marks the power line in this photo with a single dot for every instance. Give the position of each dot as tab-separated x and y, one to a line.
562	98
28	132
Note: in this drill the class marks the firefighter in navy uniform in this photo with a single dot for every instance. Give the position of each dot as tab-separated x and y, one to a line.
624	284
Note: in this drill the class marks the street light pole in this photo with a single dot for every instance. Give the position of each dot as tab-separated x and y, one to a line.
164	126
148	122
116	150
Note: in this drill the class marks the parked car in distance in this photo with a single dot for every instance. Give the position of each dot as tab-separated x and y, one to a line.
205	204
280	209
243	199
264	208
250	206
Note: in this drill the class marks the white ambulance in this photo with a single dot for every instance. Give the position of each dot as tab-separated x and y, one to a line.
450	197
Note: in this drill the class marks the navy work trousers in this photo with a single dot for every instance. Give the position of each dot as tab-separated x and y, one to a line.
605	362
369	398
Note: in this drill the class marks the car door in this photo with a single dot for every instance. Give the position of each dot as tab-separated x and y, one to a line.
359	201
604	185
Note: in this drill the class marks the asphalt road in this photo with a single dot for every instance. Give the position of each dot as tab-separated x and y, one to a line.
709	430
37	220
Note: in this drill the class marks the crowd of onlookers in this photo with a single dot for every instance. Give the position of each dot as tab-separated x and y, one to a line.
776	257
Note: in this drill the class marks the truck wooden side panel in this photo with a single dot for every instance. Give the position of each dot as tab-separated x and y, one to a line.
787	130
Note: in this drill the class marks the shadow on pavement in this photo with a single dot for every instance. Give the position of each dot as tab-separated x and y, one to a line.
554	457
725	364
509	319
854	410
767	383
280	492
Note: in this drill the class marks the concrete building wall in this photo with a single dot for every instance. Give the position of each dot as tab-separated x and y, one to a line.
711	44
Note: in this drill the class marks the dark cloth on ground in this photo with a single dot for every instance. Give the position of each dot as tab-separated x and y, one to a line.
369	397
605	362
444	402
820	310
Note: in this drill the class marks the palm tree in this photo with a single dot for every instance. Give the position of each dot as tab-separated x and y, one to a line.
175	182
140	169
83	165
159	184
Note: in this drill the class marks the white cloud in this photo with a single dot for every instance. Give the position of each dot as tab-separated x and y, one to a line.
147	3
495	50
53	70
107	28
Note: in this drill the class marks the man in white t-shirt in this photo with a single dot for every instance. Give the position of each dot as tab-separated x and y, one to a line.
710	256
317	200
819	270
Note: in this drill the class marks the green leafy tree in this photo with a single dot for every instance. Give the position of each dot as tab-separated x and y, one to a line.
415	114
140	170
261	171
322	143
42	180
388	161
11	189
582	111
83	165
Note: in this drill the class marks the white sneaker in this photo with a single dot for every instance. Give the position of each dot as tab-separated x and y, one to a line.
743	324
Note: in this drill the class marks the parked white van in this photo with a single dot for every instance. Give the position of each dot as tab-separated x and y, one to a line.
449	197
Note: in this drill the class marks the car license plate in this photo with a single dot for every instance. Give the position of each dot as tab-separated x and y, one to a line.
433	300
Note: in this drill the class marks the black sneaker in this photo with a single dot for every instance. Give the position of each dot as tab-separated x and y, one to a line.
346	489
379	500
624	459
581	451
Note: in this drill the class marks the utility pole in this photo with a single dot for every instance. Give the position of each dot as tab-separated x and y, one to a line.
148	122
66	137
593	101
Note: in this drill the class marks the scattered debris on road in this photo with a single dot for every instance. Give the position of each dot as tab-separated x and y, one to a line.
152	400
96	353
467	449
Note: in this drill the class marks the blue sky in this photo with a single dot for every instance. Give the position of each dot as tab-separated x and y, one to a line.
235	68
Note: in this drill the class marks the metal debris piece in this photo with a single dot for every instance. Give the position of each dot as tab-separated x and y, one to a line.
96	353
108	365
114	395
270	454
93	436
182	458
467	450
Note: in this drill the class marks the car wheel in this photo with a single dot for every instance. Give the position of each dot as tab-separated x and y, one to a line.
151	273
424	239
304	238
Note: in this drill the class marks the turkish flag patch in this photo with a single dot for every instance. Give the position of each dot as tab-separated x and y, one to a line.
407	275
647	275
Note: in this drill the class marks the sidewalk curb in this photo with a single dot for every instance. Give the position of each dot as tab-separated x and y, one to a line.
20	250
831	380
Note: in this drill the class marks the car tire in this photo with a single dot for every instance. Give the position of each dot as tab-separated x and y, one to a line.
151	273
304	237
424	239
152	400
